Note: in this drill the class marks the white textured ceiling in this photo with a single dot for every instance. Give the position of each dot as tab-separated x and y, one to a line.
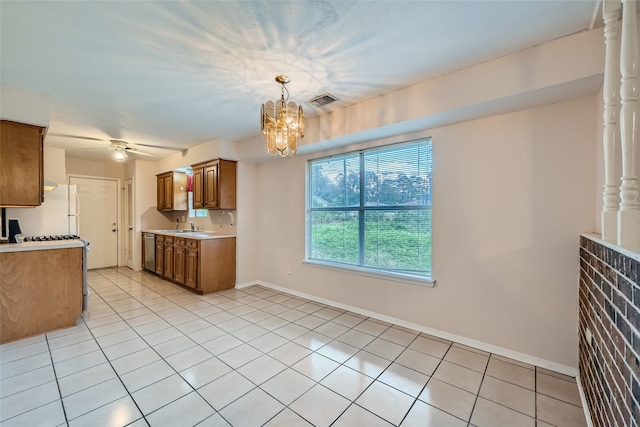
179	73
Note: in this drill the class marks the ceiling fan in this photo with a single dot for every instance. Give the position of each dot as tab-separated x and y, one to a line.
121	147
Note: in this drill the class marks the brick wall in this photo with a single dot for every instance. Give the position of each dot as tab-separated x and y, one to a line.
609	340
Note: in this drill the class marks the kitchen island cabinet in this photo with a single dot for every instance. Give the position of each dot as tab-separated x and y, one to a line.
41	288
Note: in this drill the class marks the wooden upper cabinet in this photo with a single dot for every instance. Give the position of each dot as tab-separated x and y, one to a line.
197	187
214	184
161	202
211	181
172	191
21	164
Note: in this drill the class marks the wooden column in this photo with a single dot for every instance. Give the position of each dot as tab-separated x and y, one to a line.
610	137
629	213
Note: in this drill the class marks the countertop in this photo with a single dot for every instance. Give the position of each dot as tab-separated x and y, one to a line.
198	235
40	246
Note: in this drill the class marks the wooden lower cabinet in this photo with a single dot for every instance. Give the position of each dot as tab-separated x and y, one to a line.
205	265
168	260
159	254
217	264
191	266
179	259
40	291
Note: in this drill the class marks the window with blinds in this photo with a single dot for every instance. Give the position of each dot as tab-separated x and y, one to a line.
371	209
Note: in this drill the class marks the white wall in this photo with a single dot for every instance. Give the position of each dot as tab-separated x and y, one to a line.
509	199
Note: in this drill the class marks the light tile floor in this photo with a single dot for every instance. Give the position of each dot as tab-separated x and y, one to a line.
149	352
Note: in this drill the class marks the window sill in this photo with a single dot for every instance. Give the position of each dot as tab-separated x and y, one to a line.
378	274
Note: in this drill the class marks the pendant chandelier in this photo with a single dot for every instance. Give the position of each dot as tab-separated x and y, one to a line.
282	123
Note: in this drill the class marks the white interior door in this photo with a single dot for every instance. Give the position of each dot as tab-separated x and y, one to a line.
99	219
128	209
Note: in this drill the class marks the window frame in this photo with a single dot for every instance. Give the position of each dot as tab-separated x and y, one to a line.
361	209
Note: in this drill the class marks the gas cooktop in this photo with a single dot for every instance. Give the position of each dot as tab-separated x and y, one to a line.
47	238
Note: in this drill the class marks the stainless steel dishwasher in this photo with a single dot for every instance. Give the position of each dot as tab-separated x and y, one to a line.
150	251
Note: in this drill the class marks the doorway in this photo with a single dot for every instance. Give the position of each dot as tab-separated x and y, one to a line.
98	219
129	222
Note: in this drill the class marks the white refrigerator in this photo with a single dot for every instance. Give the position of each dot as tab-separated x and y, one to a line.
59	214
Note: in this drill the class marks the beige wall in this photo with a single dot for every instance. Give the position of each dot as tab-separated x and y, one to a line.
54	165
510	197
108	169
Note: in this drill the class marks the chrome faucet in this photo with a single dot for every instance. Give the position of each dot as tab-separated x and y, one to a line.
191	224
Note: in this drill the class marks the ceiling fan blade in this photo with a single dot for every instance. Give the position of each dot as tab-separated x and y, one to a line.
142	153
93	148
65	135
157	146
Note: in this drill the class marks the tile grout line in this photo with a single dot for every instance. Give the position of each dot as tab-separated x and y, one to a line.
475	402
429	380
55	375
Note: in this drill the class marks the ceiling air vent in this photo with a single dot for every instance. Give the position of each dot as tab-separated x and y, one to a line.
324	99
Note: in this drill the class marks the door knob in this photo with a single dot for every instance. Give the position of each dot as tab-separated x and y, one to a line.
114	230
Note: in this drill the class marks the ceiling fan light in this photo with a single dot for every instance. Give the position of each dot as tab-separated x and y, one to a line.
120	154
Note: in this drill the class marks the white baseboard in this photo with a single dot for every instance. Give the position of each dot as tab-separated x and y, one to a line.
583	399
521	357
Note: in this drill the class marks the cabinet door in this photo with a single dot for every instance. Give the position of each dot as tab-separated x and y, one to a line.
159	258
168	260
198	187
168	192
21	164
179	263
161	193
191	269
227	184
211	190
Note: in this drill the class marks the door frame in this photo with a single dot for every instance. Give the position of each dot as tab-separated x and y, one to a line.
119	213
129	183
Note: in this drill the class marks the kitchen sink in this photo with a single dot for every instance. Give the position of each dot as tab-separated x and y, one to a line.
193	233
